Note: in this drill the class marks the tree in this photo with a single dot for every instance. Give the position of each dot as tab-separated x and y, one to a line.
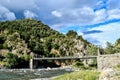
117	42
92	50
71	33
47	44
109	48
26	57
11	60
38	48
2	39
55	46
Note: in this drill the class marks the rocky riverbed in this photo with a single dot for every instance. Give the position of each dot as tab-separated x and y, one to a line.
35	74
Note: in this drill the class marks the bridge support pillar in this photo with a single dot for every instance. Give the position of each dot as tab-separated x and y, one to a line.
31	64
98	61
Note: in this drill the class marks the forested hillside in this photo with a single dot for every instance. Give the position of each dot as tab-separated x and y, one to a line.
22	37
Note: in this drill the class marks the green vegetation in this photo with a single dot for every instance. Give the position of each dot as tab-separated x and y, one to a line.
93	64
79	65
117	72
72	33
80	75
112	48
117	67
11	60
92	50
25	36
83	66
86	72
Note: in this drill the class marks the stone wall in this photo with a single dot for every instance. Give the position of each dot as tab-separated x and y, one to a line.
108	61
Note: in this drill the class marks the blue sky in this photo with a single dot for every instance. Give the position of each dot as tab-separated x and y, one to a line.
98	21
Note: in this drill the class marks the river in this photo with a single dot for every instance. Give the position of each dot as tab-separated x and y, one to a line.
35	74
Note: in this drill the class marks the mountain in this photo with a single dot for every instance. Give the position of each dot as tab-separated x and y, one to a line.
25	36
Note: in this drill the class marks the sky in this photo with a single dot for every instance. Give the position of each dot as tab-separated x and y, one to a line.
98	21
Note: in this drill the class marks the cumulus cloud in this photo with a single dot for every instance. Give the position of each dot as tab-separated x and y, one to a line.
20	8
73	11
75	16
6	14
29	14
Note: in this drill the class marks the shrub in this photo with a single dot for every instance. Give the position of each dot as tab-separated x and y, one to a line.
26	57
11	60
1	46
93	63
5	46
79	65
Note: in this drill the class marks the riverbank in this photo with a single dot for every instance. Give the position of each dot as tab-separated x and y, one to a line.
79	75
33	74
105	74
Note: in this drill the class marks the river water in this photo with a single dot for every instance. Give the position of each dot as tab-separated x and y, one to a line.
27	74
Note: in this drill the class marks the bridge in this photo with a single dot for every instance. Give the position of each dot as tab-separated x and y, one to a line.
61	58
65	58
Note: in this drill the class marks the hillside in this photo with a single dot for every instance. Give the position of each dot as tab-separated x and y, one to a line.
26	36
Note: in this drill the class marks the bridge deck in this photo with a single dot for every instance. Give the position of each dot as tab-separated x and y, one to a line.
64	58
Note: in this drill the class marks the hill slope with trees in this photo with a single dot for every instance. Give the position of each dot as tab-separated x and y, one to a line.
20	38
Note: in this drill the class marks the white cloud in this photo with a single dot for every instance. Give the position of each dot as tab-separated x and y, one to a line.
114	14
5	14
73	11
111	32
100	15
75	16
10	16
29	14
56	13
85	14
